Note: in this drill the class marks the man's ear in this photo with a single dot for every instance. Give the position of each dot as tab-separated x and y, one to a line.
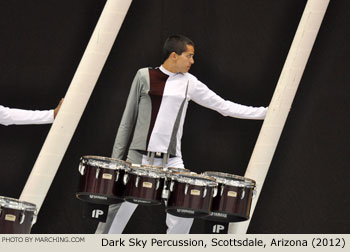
173	56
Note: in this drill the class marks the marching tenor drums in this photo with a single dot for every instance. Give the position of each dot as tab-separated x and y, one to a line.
190	195
144	184
211	195
234	197
101	180
16	217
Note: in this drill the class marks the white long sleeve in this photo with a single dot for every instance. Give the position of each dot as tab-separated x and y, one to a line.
10	116
202	95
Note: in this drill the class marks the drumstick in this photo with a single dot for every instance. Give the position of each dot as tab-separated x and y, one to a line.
75	101
282	100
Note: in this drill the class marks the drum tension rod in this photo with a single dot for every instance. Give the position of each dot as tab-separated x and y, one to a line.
117	176
186	189
205	192
23	216
243	193
137	181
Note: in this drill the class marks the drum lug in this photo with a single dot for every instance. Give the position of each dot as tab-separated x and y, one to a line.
165	194
243	193
165	184
222	190
82	169
186	189
82	166
137	181
34	219
23	216
205	192
116	176
157	185
97	172
215	192
254	193
171	187
126	178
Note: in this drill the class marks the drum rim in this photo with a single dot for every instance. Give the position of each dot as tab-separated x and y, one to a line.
194	176
17	204
148	170
223	178
100	160
168	169
146	166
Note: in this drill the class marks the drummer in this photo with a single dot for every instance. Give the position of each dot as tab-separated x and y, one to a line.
153	120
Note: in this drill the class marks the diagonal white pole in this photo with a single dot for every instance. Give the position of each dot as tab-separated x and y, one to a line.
282	100
75	101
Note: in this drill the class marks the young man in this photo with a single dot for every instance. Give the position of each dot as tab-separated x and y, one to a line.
10	116
156	109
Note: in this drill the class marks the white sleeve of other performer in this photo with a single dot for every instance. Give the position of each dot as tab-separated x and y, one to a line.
10	116
202	95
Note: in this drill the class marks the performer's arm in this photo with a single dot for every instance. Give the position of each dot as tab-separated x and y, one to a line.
202	95
128	120
10	116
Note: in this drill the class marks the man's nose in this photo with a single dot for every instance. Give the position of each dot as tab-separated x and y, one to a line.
192	61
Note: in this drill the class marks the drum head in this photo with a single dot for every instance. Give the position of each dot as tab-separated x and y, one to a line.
230	179
17	204
104	162
175	169
148	171
193	178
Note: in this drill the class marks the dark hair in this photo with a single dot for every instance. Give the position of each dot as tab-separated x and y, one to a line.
175	43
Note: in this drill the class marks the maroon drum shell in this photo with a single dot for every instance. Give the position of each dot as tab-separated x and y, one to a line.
143	195
14	227
99	190
189	205
231	209
170	171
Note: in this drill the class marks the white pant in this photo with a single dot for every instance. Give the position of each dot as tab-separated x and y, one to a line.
120	214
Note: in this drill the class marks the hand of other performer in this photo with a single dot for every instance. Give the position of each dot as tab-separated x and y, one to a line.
55	112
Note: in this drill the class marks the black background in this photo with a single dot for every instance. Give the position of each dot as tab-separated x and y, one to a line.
241	47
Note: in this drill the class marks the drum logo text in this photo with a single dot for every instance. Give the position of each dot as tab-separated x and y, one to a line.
96	213
218	228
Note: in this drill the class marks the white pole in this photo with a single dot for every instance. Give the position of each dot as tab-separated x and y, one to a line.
76	98
282	100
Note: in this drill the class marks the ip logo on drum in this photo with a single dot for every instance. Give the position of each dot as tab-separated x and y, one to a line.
97	213
218	228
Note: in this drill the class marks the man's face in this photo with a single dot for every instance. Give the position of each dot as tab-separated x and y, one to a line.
184	61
